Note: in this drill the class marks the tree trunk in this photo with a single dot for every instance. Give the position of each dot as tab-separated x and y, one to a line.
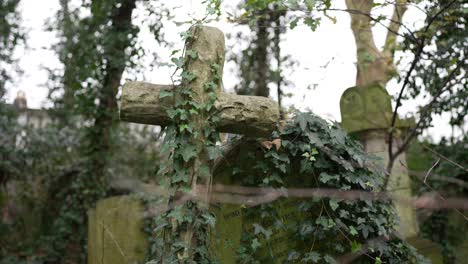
373	65
107	107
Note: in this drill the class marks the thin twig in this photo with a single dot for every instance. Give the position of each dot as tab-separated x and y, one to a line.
444	158
429	171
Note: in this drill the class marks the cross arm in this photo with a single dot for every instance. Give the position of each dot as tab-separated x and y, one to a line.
239	114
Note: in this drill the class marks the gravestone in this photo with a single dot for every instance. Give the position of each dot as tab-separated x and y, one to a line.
115	232
115	236
366	113
236	168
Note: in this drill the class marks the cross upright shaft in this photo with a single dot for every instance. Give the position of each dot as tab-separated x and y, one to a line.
239	114
251	115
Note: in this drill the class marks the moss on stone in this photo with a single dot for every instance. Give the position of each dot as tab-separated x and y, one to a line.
115	232
366	108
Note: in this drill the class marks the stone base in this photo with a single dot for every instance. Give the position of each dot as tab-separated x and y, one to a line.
115	234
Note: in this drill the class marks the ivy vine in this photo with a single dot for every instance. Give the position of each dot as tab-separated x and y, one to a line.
182	231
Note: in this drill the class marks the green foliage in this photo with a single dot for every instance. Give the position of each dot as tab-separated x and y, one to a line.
445	227
85	147
305	11
441	71
188	149
322	156
11	35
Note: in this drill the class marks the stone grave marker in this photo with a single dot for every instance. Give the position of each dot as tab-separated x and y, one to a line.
116	224
238	164
366	113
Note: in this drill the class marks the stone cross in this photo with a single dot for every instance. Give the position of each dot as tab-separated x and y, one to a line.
248	115
239	114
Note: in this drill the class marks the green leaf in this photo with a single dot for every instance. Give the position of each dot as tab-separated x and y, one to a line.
312	256
333	204
188	152
214	152
302	119
186	35
378	260
188	76
355	246
325	177
310	4
179	62
165	93
255	244
192	54
293	23
311	22
314	151
292	4
353	230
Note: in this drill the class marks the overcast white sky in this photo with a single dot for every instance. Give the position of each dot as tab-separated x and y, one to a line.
331	45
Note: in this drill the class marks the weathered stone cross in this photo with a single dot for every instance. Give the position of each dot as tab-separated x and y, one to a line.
247	115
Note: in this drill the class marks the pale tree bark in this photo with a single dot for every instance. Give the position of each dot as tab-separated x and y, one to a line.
373	64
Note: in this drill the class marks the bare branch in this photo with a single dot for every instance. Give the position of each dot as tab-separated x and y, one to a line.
425	110
444	158
437	177
429	171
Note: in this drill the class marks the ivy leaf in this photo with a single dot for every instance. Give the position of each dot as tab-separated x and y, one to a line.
293	23
325	177
192	54
293	4
214	152
312	256
333	204
255	244
353	230
310	4
179	62
186	35
165	93
311	22
329	259
177	214
188	152
188	76
314	151
302	122
306	229
355	246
